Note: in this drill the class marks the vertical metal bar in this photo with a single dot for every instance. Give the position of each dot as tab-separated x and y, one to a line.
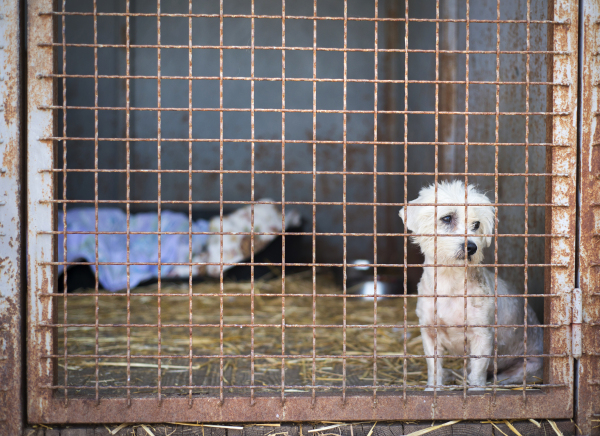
190	199
449	124
526	229
64	196
282	199
252	186
588	371
96	272
221	288
314	207
12	287
466	198
435	242
159	205
405	209
436	153
128	186
40	216
344	187
375	102
496	158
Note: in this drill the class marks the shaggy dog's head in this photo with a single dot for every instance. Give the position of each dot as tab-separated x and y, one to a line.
450	220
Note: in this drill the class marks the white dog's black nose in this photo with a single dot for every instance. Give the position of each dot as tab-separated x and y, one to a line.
471	248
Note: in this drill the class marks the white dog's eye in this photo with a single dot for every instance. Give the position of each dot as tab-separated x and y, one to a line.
476	225
447	219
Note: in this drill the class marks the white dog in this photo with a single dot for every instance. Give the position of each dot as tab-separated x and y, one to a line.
450	220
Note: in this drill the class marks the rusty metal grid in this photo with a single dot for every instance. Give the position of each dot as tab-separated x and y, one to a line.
49	399
588	386
12	402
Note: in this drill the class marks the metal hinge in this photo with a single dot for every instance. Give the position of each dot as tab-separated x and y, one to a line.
576	320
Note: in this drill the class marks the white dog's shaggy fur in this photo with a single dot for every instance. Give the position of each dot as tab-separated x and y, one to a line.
450	220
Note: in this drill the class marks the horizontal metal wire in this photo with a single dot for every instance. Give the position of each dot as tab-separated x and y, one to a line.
322	326
439	235
303	141
295	356
300	111
398	265
348	173
292	48
298	17
277	295
309	203
298	79
306	388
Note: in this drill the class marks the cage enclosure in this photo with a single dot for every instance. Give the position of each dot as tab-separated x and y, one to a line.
226	183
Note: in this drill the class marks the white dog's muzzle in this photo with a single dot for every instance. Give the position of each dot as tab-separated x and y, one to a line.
470	250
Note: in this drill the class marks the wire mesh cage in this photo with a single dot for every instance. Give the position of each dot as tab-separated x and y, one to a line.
218	197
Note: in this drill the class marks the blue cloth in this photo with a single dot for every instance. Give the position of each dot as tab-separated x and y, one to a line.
142	249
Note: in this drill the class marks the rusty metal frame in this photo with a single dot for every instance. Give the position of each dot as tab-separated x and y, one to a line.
553	400
588	384
12	401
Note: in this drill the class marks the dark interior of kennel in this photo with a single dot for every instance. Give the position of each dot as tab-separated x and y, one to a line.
420	156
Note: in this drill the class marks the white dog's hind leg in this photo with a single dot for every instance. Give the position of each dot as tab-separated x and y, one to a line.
514	374
436	379
480	344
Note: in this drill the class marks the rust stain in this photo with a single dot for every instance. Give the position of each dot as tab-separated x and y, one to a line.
11	160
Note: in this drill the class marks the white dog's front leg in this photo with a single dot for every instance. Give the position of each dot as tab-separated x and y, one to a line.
480	343
436	379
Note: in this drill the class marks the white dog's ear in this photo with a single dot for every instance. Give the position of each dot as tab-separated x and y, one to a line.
411	213
401	215
487	222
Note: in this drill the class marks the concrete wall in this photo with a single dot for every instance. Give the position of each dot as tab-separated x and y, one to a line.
298	126
511	128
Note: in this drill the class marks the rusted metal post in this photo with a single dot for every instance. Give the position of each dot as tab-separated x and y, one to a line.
588	387
40	216
561	191
11	289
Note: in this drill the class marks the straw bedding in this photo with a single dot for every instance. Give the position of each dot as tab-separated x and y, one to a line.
236	302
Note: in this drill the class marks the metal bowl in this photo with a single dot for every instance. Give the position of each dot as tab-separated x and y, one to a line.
360	281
